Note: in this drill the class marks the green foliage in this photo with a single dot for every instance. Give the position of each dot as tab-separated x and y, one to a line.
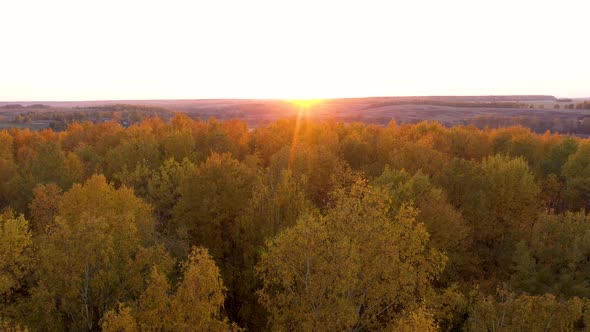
499	198
554	260
577	174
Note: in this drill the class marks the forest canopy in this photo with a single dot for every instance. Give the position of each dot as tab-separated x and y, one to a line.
298	225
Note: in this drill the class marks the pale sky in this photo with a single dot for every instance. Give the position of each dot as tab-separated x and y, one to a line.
121	49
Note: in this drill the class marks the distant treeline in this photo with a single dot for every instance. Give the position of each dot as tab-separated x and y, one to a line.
19	106
478	104
491	98
124	114
502	104
537	124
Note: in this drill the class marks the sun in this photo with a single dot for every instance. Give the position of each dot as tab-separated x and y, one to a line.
304	103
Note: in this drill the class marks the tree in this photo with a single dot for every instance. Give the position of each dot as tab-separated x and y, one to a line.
351	269
577	176
179	145
49	165
511	312
557	156
211	199
15	253
163	190
467	142
8	169
44	206
278	200
449	233
415	156
359	146
121	321
195	304
94	257
419	320
139	146
200	295
554	258
319	169
500	200
513	195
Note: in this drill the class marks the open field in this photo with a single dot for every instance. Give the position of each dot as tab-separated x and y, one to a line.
33	125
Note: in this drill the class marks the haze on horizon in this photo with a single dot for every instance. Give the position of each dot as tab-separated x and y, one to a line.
78	50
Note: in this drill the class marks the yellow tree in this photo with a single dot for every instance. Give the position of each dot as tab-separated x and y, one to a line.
163	190
195	304
94	256
277	202
353	268
448	230
15	253
211	198
511	312
198	300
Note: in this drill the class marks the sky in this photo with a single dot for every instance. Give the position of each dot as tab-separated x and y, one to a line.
123	49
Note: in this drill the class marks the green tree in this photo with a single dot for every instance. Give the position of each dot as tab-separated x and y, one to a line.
512	193
500	201
577	175
554	259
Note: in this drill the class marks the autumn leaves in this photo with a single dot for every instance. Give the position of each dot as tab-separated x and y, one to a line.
206	225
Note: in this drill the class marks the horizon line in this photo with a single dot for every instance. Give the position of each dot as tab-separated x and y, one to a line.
286	99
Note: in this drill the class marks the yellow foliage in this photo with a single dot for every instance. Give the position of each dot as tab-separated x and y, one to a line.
15	252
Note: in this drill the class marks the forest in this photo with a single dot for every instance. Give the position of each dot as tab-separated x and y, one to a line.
300	225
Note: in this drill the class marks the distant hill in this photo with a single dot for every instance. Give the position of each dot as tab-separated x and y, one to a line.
190	104
539	112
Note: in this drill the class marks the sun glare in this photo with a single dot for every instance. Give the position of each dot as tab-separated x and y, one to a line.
305	103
